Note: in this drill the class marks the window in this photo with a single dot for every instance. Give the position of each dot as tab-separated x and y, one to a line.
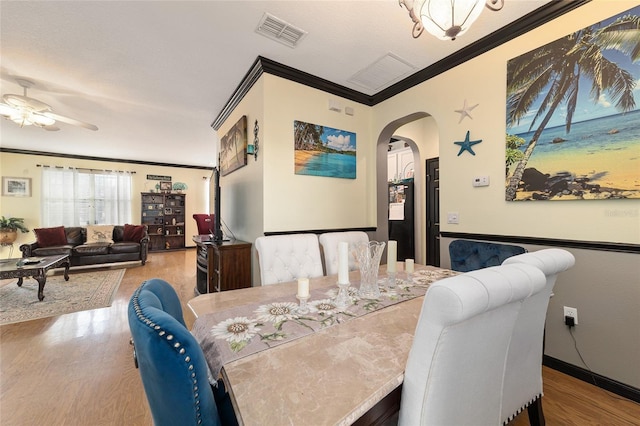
80	197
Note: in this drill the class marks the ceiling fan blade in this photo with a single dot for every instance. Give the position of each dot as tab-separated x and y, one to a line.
51	128
71	121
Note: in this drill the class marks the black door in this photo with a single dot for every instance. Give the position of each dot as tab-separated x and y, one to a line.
433	211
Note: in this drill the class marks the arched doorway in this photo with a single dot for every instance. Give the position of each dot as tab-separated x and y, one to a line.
382	188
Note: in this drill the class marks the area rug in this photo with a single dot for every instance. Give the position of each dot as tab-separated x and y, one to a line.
84	291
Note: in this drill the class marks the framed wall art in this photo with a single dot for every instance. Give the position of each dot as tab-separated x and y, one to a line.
324	151
573	126
16	186
233	147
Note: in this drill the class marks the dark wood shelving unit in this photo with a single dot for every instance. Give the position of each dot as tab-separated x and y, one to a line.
164	215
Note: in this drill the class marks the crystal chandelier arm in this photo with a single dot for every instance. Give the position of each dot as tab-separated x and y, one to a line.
494	5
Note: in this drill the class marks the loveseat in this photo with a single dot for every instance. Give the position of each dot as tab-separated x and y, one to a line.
92	244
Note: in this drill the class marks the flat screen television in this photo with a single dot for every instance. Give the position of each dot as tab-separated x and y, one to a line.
217	220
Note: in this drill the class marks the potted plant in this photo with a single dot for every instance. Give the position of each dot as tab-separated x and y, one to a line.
179	187
9	228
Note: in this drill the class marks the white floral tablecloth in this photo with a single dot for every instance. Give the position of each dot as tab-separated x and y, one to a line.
234	333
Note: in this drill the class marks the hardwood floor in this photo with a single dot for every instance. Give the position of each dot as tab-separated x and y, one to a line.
77	369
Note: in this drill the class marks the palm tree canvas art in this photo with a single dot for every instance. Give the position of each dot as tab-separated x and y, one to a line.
573	129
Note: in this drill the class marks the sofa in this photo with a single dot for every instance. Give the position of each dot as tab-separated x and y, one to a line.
91	245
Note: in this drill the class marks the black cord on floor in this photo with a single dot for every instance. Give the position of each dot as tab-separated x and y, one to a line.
591	373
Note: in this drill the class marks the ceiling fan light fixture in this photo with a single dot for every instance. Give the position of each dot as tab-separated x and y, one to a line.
21	118
448	19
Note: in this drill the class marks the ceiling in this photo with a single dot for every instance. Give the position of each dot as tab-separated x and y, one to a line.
153	75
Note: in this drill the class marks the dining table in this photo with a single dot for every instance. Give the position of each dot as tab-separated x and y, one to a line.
329	366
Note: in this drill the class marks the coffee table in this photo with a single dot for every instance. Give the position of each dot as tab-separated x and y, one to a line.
34	267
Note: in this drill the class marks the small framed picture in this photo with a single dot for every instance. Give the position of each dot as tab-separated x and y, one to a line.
16	187
165	186
168	210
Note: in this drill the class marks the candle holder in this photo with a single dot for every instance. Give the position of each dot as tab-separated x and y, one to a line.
303	308
409	276
391	280
342	299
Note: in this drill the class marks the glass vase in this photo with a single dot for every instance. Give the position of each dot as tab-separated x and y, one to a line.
368	256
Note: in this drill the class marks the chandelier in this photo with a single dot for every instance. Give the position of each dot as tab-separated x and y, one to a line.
446	19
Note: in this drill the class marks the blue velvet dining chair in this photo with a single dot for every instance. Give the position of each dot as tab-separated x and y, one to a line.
467	255
172	366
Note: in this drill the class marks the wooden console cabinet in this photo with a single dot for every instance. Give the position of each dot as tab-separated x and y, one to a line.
223	266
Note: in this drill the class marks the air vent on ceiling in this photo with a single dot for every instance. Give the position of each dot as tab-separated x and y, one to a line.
279	30
383	72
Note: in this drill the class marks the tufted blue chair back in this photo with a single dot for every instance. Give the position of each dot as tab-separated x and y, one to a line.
469	255
172	366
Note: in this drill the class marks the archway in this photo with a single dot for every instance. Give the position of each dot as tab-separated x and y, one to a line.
387	133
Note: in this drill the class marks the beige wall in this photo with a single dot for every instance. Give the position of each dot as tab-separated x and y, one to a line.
483	210
266	195
297	202
243	200
603	286
21	165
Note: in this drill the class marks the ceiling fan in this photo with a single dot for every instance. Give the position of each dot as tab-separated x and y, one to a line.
26	111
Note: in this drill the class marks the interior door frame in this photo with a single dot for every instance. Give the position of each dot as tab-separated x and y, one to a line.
432	169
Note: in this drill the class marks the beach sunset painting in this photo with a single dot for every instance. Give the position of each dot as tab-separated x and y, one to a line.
324	151
573	123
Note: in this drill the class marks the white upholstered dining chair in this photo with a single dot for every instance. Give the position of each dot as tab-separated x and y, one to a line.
329	243
523	374
288	257
454	371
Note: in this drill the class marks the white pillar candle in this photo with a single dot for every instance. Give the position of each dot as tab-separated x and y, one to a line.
408	266
343	262
303	287
392	250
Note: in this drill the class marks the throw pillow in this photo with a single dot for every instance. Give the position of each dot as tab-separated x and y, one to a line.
100	234
133	233
50	237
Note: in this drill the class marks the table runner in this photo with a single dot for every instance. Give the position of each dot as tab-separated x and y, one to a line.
234	333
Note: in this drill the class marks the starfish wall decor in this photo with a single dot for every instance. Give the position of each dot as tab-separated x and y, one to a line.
466	145
465	111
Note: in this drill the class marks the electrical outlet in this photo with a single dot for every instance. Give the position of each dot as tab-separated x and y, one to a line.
481	181
571	312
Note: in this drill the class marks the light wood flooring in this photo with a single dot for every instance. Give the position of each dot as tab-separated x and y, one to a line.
77	369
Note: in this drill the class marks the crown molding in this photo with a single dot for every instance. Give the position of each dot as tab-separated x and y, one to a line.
111	160
262	65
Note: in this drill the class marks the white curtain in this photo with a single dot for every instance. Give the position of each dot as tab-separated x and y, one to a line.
80	197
